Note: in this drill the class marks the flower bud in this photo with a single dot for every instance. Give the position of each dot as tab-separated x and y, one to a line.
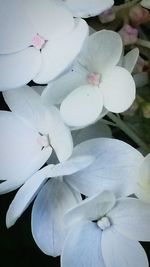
129	34
107	16
138	15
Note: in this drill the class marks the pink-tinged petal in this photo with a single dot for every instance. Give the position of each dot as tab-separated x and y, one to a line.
101	52
21	154
131	217
118	89
16	28
83	9
58	54
82	247
119	251
50	18
48	225
82	107
19	68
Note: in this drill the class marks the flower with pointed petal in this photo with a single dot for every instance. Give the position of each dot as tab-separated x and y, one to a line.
105	232
27	136
88	8
95	83
54	198
39	40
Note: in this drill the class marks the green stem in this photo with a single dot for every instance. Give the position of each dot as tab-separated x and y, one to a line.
126	129
143	43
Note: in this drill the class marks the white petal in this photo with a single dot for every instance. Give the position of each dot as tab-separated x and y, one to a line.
27	104
145	3
82	106
83	9
51	19
10	185
19	68
91	208
96	130
56	91
72	165
142	189
25	195
59	134
119	251
21	154
48	227
118	89
101	51
58	54
130	59
115	168
131	218
82	247
16	27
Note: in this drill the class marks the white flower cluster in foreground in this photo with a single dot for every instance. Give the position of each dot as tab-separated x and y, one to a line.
54	148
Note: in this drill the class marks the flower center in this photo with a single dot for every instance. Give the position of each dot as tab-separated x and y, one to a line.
43	141
103	223
38	41
94	78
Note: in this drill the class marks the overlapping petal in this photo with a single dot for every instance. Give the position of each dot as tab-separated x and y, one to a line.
130	59
118	250
21	154
82	247
80	8
48	225
83	106
115	168
118	89
91	208
131	217
102	51
59	53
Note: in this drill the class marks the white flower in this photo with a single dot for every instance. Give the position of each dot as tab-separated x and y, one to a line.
145	3
54	198
95	83
105	232
142	189
39	40
88	8
27	137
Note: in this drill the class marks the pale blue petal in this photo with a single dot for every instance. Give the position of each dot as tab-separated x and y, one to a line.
131	218
82	247
48	225
119	251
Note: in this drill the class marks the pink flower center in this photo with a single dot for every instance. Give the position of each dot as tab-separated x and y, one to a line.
43	141
94	78
38	41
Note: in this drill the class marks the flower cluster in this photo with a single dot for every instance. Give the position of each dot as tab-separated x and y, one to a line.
55	143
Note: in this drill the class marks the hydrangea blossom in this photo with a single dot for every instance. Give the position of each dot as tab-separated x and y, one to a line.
31	34
95	83
105	232
54	198
83	9
28	135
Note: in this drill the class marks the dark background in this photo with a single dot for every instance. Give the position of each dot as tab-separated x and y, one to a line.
17	247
